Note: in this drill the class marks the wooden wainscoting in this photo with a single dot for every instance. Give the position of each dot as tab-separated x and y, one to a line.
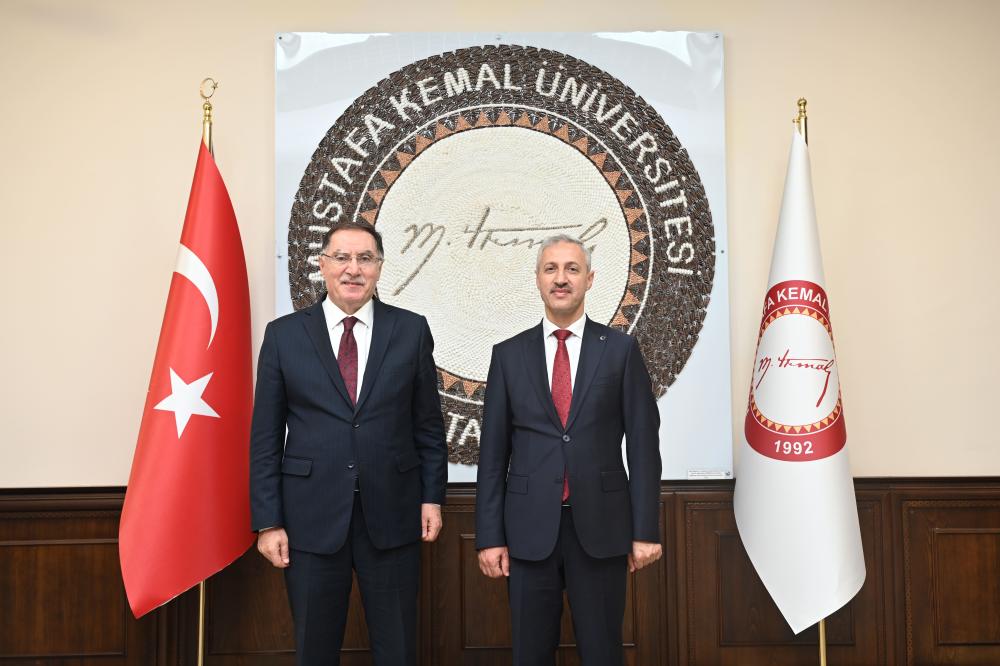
931	597
61	594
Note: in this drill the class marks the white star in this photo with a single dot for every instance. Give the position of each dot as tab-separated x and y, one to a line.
185	400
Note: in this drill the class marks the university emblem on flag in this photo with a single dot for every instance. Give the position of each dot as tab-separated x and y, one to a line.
466	162
795	411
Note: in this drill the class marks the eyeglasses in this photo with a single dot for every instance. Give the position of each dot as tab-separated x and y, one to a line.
342	259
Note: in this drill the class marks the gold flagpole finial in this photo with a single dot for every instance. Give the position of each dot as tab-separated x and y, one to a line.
800	120
206	108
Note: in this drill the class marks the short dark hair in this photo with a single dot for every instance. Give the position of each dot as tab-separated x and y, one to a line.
361	226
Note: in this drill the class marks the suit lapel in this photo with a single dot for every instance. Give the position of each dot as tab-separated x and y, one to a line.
591	350
315	323
383	322
538	373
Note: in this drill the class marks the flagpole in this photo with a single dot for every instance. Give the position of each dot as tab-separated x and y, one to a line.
801	123
201	624
206	137
822	642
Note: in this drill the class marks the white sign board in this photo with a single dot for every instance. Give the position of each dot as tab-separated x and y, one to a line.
467	150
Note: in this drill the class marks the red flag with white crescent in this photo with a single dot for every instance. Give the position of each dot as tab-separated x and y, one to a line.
187	511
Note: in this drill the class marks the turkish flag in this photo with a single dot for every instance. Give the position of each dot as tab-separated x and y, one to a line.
187	507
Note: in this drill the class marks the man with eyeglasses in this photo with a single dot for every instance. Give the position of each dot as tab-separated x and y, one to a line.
358	480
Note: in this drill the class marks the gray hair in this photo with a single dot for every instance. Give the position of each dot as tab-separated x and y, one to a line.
561	238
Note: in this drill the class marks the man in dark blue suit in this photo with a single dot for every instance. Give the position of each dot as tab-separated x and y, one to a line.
555	508
360	477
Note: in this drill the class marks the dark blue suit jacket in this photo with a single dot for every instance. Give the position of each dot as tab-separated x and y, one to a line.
524	449
393	441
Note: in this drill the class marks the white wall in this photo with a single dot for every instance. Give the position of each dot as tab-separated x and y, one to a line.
101	123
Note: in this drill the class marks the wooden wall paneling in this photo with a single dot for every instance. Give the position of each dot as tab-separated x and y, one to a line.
949	564
249	623
184	617
471	622
669	620
73	605
680	652
932	593
247	610
642	633
872	604
483	616
247	619
966	578
61	593
168	635
642	624
731	619
879	563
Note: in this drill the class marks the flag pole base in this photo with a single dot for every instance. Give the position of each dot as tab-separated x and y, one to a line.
822	641
201	623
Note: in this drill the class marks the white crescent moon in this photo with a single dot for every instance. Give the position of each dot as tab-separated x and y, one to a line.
191	267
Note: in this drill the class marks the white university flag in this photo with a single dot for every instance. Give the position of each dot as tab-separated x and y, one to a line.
794	502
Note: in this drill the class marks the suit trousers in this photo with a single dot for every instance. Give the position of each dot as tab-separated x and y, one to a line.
596	591
319	589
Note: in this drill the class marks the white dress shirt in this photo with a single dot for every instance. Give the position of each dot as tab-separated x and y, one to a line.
362	332
573	344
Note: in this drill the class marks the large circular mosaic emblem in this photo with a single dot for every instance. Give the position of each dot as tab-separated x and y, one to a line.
466	162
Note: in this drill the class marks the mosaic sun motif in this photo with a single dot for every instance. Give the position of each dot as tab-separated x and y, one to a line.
466	162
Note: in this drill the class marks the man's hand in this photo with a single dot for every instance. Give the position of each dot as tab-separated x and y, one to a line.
273	544
430	521
643	553
494	562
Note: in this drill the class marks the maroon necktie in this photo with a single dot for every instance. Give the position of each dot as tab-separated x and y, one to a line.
347	358
562	389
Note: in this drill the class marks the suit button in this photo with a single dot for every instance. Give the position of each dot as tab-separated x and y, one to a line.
350	466
565	438
357	425
558	479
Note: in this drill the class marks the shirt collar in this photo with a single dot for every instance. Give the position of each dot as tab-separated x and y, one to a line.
334	315
576	328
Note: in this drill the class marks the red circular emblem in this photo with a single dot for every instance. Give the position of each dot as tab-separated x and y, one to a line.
795	411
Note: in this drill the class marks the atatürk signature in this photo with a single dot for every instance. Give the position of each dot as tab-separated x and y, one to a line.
482	236
819	364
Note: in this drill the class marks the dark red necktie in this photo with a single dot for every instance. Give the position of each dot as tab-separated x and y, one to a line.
562	389
347	358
